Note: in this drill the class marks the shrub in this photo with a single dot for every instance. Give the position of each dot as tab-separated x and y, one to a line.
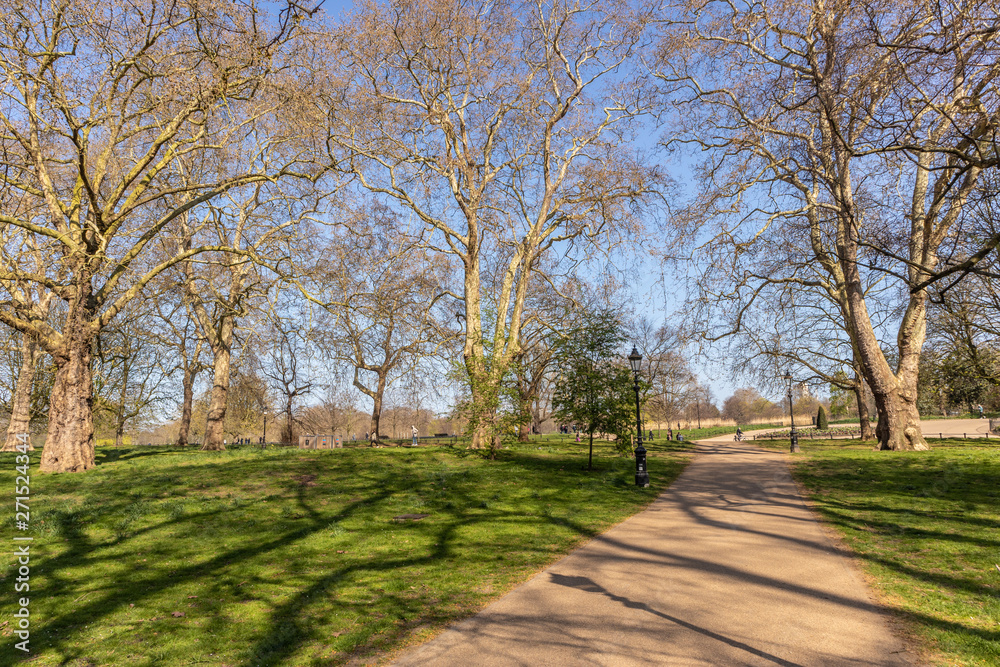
821	422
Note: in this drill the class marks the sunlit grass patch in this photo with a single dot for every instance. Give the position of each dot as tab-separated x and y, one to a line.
926	526
293	557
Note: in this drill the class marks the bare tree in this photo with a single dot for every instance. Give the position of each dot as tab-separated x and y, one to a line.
381	295
130	371
822	116
181	334
284	354
29	354
98	105
502	128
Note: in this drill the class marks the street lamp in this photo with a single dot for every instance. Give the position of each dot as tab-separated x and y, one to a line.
794	448
641	474
263	440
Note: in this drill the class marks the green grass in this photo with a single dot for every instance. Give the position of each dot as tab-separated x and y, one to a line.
291	557
926	526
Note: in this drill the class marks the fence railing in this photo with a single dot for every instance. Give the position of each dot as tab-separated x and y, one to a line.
995	426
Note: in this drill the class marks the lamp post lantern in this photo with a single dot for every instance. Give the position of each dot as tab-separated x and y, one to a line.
641	473
794	447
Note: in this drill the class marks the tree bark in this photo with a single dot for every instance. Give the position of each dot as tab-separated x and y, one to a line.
120	432
864	416
69	444
215	425
287	431
523	431
184	430
895	395
376	395
190	373
20	407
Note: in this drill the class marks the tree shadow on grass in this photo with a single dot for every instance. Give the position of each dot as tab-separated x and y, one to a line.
289	623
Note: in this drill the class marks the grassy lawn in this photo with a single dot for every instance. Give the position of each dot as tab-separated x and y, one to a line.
292	557
926	526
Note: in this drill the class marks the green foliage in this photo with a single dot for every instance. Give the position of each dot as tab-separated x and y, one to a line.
821	422
595	389
964	380
843	402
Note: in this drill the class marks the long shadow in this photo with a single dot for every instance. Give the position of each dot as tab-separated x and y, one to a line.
287	631
81	553
590	586
281	637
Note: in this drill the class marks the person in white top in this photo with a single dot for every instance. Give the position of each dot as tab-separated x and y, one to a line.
414	429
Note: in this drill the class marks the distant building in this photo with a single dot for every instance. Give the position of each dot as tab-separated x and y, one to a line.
801	391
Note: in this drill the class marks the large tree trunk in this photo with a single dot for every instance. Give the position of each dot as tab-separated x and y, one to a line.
215	425
483	418
69	445
20	407
895	393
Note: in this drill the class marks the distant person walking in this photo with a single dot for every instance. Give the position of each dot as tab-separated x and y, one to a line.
980	408
414	429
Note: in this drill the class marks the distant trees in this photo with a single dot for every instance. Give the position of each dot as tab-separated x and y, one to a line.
130	372
384	300
747	405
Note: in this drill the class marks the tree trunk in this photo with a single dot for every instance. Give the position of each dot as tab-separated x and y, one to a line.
69	445
484	419
523	431
377	395
287	431
895	394
20	405
120	414
185	426
215	426
120	432
863	415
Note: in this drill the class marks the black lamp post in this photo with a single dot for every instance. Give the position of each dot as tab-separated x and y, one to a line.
263	440
794	448
641	474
